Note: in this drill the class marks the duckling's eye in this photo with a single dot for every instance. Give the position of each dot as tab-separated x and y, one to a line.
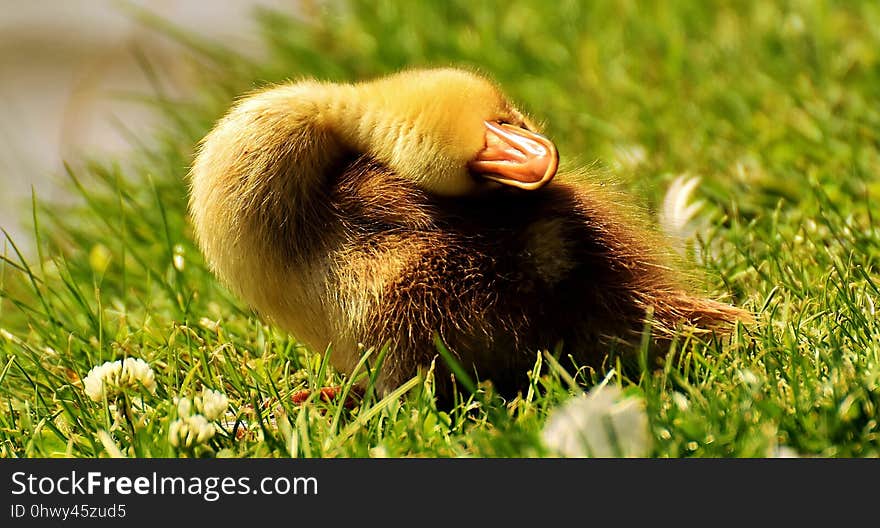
515	122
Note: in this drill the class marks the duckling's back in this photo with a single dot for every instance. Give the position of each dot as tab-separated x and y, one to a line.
497	277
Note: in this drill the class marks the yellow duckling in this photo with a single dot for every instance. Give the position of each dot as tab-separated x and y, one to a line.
422	203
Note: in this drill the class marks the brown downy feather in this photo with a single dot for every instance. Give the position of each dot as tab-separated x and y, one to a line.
305	205
500	277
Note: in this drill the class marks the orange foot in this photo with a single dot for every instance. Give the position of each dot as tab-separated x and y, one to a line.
327	394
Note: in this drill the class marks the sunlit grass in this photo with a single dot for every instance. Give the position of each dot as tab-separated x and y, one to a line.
773	105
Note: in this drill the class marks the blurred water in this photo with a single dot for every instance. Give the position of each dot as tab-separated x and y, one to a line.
63	66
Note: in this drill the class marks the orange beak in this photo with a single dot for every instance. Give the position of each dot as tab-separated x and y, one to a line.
514	156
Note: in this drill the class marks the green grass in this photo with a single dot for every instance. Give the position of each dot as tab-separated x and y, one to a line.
772	104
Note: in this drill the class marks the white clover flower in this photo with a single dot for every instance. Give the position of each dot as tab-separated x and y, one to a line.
93	383
113	377
212	404
599	424
184	406
190	431
677	214
681	401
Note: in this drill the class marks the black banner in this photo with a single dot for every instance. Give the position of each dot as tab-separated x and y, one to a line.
230	492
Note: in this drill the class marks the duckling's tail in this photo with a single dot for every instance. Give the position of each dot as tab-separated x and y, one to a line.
676	308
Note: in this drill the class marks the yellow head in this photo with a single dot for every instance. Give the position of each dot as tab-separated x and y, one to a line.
450	131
